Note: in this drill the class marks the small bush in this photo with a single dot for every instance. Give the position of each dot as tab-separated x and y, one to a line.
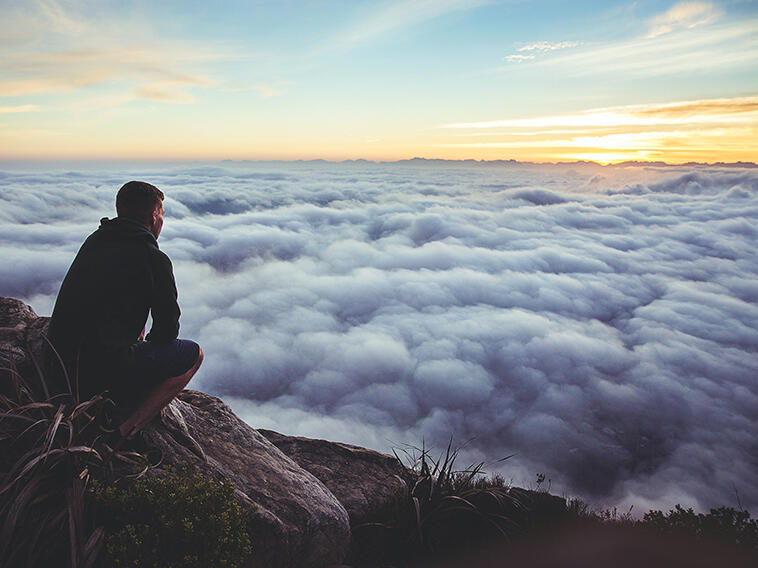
725	524
579	511
182	519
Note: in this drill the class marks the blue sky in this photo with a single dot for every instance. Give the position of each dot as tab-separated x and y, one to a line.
380	80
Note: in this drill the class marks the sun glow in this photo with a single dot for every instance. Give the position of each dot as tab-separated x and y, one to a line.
726	129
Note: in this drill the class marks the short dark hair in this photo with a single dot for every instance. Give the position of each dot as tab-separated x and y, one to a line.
137	200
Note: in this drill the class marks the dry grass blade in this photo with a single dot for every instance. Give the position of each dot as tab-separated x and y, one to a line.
7	402
458	500
40	374
30	465
15	416
141	473
35	406
51	433
41	422
417	510
18	466
92	547
470	474
12	513
83	450
61	364
70	428
74	503
82	407
15	377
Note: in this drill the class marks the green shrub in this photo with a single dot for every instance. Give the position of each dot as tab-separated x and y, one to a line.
725	524
180	520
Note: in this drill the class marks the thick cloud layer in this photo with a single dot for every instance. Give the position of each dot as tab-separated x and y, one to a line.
600	323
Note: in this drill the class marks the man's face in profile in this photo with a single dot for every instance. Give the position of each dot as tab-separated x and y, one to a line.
157	221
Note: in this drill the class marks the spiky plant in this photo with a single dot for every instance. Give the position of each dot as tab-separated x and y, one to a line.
49	450
452	507
446	509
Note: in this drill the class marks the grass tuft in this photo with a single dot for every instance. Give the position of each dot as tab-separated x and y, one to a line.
50	449
446	509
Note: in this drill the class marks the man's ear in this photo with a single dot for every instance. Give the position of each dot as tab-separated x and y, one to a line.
153	219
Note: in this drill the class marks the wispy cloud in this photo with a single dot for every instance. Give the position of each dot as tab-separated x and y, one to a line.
547	46
517	57
61	49
539	48
669	45
398	15
164	91
65	70
61	20
683	15
20	108
720	47
741	110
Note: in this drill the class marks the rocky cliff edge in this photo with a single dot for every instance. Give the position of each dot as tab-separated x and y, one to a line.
302	494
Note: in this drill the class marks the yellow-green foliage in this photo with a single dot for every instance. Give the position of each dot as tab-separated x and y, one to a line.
180	520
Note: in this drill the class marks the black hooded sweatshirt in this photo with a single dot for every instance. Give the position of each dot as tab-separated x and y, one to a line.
117	277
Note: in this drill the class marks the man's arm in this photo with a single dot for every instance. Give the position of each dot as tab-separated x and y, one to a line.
164	307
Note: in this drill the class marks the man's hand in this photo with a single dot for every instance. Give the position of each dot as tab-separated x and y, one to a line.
142	335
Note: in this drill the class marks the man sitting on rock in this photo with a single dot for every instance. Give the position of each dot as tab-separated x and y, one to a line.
119	276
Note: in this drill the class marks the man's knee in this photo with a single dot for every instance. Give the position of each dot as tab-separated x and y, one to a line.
180	381
198	362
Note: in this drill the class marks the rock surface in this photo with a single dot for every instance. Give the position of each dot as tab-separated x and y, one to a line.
295	520
22	340
368	483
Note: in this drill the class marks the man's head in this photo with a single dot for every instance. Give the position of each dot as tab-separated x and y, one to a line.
142	202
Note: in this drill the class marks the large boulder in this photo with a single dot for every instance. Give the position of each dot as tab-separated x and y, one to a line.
15	317
22	341
369	484
295	521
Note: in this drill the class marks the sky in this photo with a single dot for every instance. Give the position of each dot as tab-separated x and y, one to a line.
537	81
599	322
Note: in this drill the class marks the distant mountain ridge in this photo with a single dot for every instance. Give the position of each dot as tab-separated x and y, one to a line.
508	162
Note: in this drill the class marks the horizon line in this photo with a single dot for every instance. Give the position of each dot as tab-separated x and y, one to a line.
415	159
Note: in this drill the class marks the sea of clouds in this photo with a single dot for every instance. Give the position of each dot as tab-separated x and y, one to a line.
600	323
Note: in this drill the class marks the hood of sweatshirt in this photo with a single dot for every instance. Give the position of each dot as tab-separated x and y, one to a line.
123	227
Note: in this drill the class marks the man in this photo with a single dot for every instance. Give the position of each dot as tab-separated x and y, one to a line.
98	323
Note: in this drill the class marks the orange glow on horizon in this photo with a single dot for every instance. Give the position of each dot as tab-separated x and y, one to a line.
718	130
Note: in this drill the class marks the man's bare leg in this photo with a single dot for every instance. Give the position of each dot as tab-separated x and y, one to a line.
156	400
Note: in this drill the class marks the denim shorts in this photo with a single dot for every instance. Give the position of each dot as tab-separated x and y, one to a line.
150	363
